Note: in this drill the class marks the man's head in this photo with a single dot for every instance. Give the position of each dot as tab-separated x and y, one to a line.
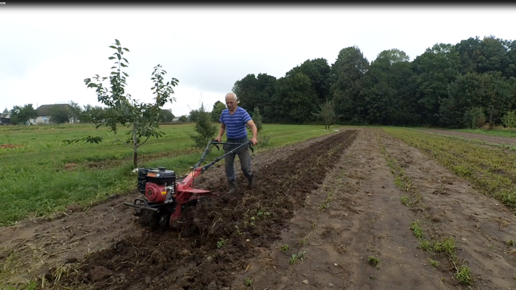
231	101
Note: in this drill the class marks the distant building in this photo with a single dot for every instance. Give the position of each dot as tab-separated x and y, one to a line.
44	115
5	119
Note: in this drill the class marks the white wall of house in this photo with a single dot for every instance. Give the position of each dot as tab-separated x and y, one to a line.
41	120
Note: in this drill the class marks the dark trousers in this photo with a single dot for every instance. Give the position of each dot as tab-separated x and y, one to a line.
243	156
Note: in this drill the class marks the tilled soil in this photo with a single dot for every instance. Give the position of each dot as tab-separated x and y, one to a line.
228	231
320	212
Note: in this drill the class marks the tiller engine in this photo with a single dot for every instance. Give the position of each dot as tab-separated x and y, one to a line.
165	197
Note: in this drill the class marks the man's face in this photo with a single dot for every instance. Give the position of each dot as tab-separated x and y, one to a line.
231	103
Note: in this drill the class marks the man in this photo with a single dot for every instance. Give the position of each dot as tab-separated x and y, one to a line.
233	120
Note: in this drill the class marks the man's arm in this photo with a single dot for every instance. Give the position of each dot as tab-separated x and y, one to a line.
221	132
254	130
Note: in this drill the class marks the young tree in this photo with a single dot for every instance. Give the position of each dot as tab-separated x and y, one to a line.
327	114
22	115
203	128
263	137
142	118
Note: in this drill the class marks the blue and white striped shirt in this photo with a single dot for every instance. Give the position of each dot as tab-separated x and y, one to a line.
235	124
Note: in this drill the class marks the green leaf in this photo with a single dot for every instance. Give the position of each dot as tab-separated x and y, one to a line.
123	65
126	60
117	42
111	57
112	46
92	85
126	49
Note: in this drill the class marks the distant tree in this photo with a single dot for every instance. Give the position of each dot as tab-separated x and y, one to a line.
347	88
193	115
75	111
60	114
463	94
318	71
327	114
386	90
494	55
296	97
6	111
94	114
22	115
142	118
166	116
491	91
218	107
204	128
498	98
435	69
257	91
469	52
510	69
183	118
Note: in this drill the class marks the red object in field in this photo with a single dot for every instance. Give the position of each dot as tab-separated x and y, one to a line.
185	193
165	198
155	192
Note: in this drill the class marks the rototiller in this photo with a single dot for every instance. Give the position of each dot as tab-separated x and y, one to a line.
165	198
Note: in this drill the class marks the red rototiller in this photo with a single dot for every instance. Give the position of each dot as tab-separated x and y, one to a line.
165	198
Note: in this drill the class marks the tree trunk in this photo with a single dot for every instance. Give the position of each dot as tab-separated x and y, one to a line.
135	144
135	159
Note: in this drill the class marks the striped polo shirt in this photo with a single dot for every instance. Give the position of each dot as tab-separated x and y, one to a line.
235	124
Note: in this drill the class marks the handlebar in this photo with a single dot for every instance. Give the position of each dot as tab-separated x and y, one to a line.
215	142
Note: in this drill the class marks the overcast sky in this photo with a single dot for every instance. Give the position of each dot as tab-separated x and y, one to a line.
47	52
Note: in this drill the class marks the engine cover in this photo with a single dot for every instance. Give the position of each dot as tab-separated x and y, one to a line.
155	192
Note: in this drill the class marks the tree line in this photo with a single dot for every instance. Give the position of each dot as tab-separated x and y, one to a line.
464	85
73	112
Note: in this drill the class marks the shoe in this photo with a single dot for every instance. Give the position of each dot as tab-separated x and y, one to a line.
252	182
233	187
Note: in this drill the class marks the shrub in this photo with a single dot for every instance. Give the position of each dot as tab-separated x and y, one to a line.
509	119
474	118
203	128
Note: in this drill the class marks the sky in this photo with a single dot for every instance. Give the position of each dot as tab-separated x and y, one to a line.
47	52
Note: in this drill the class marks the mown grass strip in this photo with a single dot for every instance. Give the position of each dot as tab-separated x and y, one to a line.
490	169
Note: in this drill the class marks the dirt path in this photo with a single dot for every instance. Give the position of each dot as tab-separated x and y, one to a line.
487	138
365	218
321	211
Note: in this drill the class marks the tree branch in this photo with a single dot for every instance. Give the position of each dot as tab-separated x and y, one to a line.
130	146
143	142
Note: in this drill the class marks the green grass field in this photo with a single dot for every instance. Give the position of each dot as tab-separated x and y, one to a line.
40	174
